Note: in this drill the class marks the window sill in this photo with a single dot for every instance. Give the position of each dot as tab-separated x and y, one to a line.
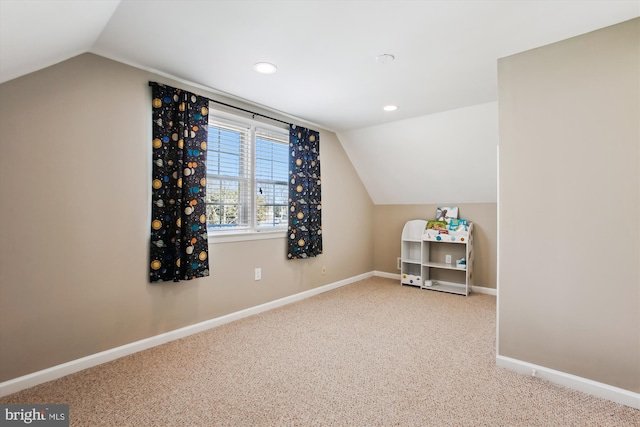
246	236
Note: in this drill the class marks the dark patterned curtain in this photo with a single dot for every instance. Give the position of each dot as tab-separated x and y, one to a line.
179	248
305	201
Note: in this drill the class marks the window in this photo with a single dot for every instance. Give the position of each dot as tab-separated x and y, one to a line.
247	175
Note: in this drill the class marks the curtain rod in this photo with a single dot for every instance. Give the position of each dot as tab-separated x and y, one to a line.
250	112
232	106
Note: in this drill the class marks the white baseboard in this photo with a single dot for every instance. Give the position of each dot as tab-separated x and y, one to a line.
474	288
21	383
484	290
605	391
387	275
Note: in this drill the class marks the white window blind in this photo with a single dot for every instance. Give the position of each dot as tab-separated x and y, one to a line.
228	175
272	170
247	175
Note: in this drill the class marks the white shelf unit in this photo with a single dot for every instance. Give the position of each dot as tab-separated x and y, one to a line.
423	259
411	253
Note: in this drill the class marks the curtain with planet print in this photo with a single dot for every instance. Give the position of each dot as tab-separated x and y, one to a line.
179	247
305	201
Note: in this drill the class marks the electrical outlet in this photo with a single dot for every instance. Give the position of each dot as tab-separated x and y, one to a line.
323	270
398	264
447	259
258	274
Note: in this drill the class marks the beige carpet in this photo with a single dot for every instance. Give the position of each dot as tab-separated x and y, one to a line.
372	353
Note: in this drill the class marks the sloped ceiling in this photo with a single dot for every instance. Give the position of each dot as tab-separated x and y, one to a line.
445	58
442	158
37	34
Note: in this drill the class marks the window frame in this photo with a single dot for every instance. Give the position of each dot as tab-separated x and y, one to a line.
253	231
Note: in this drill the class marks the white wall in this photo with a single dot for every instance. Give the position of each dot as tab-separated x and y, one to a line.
445	157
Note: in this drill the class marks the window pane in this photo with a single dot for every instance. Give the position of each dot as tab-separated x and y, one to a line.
272	170
272	162
281	194
272	193
224	156
228	204
224	207
272	200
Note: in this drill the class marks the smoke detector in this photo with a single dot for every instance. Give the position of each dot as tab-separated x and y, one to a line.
385	58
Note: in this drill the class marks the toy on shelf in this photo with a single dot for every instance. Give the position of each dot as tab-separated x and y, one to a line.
446	213
410	279
457	231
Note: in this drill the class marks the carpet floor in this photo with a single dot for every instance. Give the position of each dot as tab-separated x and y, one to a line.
372	353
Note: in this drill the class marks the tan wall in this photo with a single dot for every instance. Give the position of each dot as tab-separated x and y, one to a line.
389	220
569	192
75	150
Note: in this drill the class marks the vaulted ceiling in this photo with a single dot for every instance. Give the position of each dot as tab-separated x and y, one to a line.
325	51
445	51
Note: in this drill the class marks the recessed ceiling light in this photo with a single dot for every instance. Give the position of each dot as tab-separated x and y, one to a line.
265	68
390	107
385	58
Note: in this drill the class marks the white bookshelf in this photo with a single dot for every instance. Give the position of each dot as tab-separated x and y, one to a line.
424	255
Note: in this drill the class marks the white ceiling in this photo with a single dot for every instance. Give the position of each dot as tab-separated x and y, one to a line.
444	78
446	51
37	34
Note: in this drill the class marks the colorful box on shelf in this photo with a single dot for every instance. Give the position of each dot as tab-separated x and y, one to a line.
458	225
458	232
410	279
